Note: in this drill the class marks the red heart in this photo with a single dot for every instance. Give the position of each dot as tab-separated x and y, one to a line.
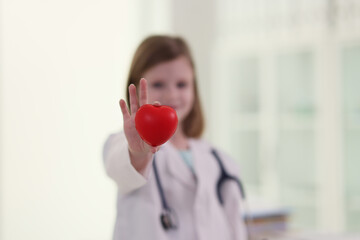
155	123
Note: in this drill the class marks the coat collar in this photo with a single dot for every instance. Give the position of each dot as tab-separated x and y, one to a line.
180	171
177	167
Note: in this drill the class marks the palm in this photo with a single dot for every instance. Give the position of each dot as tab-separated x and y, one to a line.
136	144
134	140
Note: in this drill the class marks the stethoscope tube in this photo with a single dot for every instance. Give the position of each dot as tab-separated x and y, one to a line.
224	176
168	217
160	188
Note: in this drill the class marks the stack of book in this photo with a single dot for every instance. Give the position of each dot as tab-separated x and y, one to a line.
266	219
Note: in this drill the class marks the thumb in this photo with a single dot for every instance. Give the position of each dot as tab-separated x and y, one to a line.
156	103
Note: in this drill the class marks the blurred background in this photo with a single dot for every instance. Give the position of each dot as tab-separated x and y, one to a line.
279	82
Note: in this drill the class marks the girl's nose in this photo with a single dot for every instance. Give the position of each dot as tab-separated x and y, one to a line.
171	92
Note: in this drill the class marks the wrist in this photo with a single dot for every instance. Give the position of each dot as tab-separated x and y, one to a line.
139	155
140	160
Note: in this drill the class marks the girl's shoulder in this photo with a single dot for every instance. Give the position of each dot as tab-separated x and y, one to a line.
205	146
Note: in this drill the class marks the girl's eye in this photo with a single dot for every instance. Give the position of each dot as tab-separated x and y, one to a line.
181	84
158	85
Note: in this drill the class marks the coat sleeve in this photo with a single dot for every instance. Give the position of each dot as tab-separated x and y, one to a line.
233	202
233	211
118	166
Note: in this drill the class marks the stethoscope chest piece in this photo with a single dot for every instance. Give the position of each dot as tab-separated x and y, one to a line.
169	220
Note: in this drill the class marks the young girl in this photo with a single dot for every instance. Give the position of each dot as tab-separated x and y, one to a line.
174	196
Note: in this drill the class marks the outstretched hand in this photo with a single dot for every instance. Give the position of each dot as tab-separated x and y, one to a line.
137	147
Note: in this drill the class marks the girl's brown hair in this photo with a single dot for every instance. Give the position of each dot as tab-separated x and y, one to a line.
158	49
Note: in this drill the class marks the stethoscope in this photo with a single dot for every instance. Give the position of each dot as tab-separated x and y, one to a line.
168	217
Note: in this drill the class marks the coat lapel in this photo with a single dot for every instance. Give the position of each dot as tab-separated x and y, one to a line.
177	167
204	163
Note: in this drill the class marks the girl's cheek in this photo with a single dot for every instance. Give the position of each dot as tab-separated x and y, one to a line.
190	95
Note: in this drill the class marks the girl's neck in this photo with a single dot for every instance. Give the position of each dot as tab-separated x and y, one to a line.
179	140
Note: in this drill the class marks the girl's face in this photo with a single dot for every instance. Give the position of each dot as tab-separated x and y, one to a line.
172	84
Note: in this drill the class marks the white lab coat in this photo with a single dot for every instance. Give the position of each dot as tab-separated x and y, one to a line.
192	197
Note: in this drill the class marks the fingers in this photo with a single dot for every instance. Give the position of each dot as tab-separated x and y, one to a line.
143	92
134	105
124	109
134	102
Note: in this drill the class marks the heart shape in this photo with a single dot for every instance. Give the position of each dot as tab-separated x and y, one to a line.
156	123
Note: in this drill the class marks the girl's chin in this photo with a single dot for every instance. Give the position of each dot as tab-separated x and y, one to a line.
182	114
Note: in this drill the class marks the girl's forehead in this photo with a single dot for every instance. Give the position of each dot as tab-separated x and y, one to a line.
177	68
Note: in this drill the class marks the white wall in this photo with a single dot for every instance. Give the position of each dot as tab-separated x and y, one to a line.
63	68
64	65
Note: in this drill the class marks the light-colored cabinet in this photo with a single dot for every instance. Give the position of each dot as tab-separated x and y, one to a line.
351	129
290	105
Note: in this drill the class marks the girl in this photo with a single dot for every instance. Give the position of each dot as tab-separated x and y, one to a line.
175	195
